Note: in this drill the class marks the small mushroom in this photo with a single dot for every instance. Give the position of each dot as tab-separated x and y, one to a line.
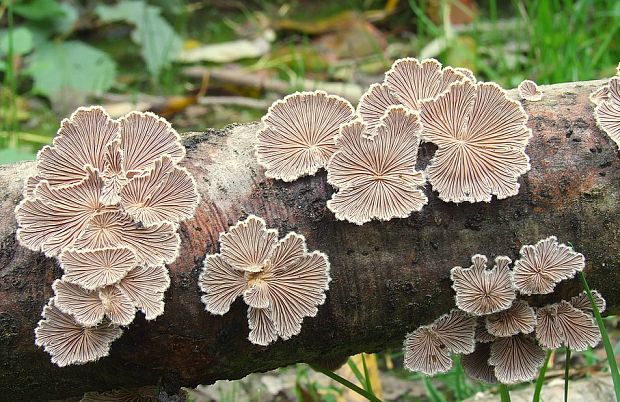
166	194
375	172
428	348
56	216
476	364
298	134
412	81
145	287
529	91
70	343
519	318
481	137
582	302
89	307
153	245
280	281
81	140
562	324
481	291
544	264
93	269
145	138
516	359
607	112
373	105
599	95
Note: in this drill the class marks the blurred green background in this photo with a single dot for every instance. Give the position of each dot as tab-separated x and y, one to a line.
210	63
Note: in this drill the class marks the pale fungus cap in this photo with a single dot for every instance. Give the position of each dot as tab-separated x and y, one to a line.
516	359
153	245
412	81
373	105
607	112
467	73
582	302
93	269
476	364
54	218
529	91
145	138
519	318
375	172
481	137
81	140
166	194
562	324
599	95
544	264
298	134
89	307
280	281
145	287
482	291
70	343
428	348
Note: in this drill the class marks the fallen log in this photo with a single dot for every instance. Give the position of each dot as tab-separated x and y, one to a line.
388	278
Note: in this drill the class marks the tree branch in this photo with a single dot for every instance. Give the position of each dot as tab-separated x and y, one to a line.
388	278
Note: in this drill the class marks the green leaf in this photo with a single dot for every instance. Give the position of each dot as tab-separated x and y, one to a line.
158	41
66	68
22	41
38	9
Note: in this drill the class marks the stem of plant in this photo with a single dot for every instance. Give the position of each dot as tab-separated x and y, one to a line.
609	350
348	384
541	377
503	393
566	370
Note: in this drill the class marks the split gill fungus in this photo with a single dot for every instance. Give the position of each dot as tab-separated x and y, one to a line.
106	201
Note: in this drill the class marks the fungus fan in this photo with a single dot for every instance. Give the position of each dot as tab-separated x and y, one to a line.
518	318
428	348
298	134
516	358
607	111
476	364
544	264
280	281
373	104
481	291
412	81
481	137
71	343
106	200
562	324
529	91
375	171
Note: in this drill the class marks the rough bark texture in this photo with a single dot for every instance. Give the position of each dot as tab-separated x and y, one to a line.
388	278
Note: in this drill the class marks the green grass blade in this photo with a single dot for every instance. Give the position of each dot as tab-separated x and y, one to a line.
432	391
566	370
357	373
609	350
368	395
366	375
503	393
541	378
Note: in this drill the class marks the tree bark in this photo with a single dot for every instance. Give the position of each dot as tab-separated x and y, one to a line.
388	277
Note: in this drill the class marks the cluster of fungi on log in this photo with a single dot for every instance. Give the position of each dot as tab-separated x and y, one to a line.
280	281
503	336
105	201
